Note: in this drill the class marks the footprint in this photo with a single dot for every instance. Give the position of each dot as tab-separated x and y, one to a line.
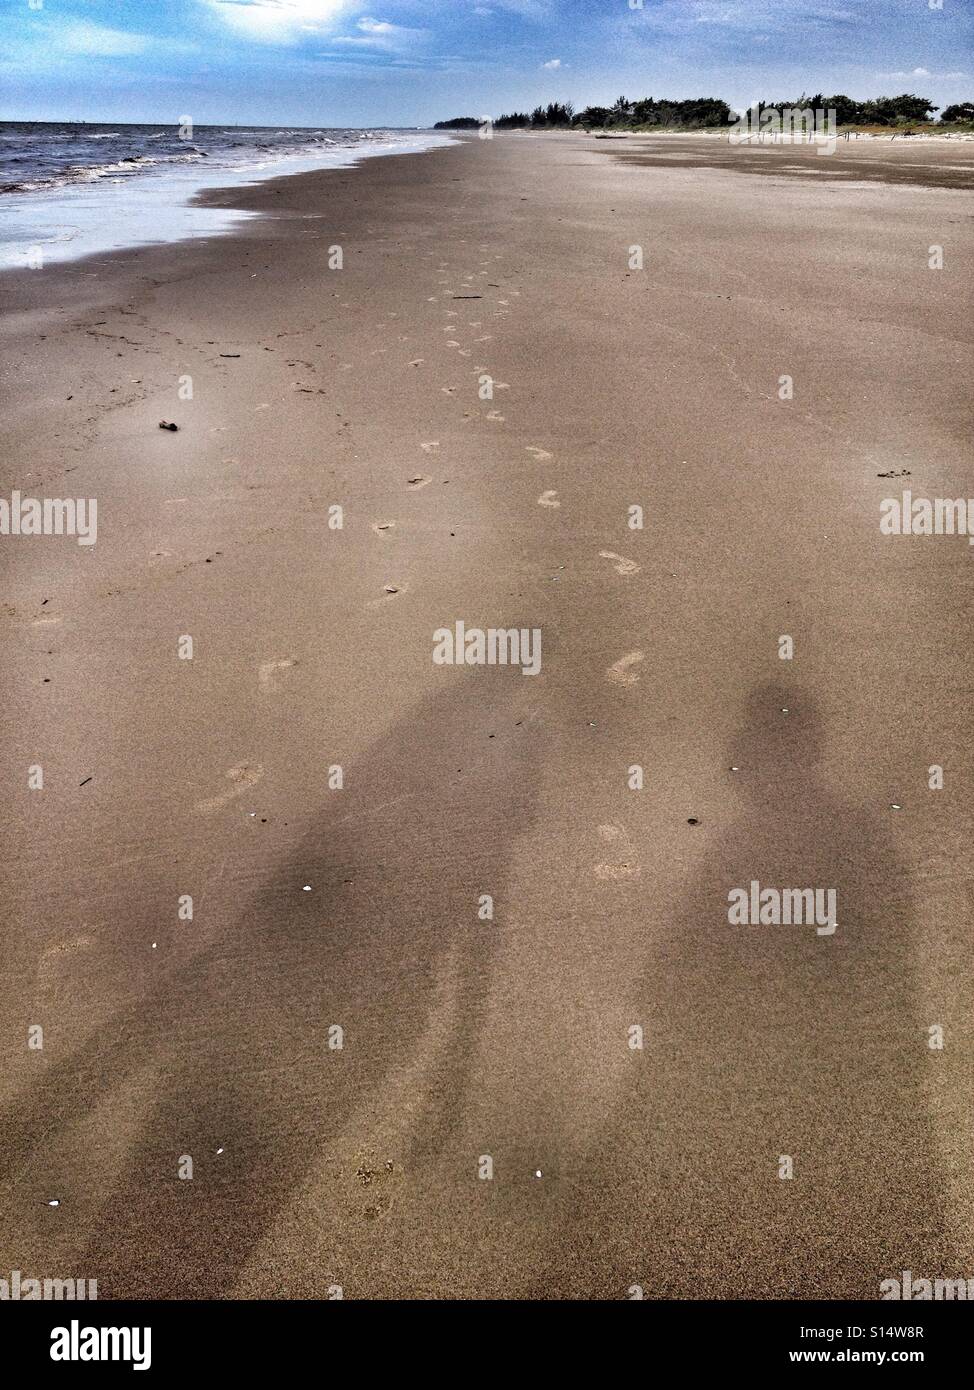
61	948
267	669
622	566
619	672
626	866
61	953
391	591
549	499
243	777
539	455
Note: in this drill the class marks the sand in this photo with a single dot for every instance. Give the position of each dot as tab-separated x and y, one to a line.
501	1030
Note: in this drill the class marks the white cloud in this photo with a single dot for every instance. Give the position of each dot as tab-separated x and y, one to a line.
275	21
760	14
527	9
98	41
65	44
381	35
552	64
934	76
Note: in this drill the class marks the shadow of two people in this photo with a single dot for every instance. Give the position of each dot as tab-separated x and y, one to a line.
763	1042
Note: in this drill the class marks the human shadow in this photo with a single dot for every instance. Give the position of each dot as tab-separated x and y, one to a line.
772	1049
237	1040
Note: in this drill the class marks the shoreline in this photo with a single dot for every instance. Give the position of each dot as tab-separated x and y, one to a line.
359	907
657	149
170	199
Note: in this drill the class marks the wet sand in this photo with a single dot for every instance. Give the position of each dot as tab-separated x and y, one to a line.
467	1036
921	161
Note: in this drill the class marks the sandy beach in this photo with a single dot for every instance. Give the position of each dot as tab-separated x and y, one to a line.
450	864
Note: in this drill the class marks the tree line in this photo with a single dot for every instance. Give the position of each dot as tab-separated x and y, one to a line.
700	113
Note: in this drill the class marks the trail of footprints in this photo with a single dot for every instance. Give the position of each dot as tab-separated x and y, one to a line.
620	673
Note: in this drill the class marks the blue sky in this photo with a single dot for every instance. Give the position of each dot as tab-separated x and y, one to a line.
410	62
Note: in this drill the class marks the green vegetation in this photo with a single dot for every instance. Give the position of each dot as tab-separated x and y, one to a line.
556	115
708	113
881	111
697	113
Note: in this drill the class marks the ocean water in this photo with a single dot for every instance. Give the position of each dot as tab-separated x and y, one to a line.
70	190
